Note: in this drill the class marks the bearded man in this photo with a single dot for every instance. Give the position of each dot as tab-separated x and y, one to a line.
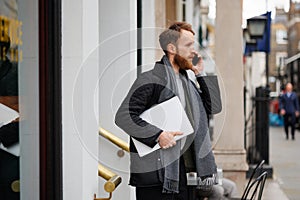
162	174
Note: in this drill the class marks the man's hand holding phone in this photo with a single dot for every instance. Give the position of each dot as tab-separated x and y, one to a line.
197	64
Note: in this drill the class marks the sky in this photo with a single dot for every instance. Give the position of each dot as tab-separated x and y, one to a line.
253	8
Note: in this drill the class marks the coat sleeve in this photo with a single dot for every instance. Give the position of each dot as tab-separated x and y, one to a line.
141	97
210	94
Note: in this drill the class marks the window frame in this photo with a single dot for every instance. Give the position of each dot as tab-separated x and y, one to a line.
50	99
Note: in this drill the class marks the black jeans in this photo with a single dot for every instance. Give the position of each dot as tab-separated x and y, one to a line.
289	120
155	192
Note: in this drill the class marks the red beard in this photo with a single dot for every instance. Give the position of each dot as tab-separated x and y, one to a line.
182	62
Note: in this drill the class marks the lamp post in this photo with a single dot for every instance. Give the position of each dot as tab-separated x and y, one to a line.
257	29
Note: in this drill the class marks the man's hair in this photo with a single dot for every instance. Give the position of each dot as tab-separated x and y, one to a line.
172	34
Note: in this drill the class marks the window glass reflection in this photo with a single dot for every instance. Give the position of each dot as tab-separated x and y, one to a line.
10	41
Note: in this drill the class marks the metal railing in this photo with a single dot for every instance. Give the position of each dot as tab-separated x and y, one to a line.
112	181
114	139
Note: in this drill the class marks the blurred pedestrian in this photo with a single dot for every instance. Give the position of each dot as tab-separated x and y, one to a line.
289	108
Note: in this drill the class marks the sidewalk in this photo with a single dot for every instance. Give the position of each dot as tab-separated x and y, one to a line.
284	158
273	191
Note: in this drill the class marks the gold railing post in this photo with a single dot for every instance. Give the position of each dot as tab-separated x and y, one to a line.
112	181
95	197
114	139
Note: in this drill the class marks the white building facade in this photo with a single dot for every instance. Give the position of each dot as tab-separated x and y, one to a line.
102	46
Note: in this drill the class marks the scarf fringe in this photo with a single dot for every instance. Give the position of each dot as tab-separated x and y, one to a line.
171	186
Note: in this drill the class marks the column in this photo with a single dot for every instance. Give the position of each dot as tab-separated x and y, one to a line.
229	126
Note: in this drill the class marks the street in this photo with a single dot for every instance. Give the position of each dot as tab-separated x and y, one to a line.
284	158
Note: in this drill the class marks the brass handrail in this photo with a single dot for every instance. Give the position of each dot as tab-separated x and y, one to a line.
114	139
112	179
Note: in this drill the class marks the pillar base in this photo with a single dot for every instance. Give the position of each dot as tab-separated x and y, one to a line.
234	165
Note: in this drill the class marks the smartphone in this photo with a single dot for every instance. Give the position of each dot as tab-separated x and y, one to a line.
195	59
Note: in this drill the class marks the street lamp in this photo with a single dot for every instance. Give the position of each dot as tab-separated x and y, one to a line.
247	38
256	26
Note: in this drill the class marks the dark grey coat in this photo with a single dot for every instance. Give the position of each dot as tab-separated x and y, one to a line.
149	89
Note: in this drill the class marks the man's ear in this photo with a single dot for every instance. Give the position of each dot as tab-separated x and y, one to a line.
171	48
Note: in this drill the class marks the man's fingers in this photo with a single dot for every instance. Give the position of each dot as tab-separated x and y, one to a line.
177	133
167	140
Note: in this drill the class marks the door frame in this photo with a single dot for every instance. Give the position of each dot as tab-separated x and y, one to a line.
50	99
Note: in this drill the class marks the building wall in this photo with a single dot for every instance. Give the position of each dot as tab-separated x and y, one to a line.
79	78
294	38
118	67
154	22
170	11
29	101
99	59
293	44
99	51
278	47
230	154
294	29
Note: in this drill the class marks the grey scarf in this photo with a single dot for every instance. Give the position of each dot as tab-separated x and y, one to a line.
204	159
